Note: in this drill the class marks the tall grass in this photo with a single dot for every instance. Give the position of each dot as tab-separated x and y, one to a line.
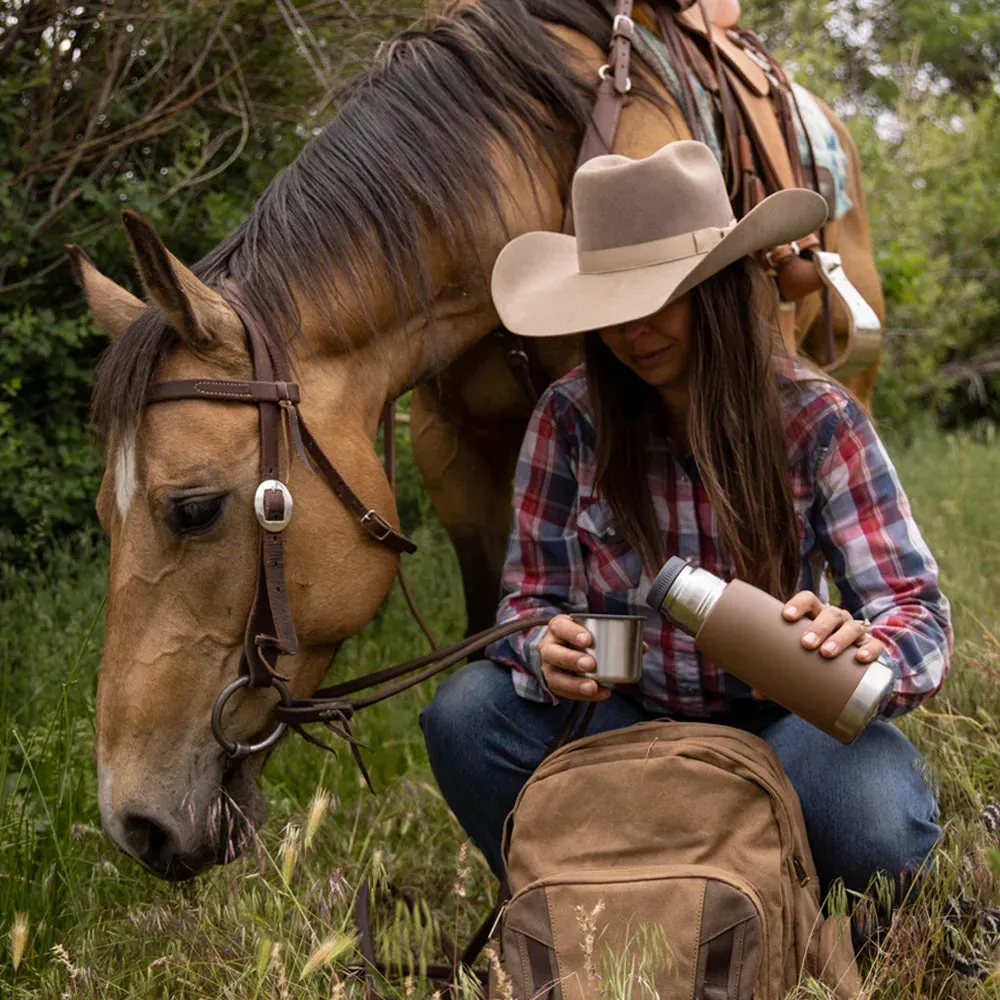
81	920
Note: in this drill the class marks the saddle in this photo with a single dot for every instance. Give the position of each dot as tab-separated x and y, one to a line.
759	110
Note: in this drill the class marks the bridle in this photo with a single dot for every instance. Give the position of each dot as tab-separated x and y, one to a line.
270	631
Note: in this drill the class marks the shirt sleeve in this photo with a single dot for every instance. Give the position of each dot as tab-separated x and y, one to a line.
544	569
879	560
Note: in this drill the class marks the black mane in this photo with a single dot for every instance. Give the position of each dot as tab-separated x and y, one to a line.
410	150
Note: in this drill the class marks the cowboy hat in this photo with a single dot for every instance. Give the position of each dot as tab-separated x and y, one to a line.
647	231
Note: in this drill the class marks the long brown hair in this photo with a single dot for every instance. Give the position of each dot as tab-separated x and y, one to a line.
735	429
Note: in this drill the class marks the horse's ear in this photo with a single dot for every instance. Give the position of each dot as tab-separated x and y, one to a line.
199	314
112	306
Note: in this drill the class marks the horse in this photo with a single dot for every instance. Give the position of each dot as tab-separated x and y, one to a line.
367	260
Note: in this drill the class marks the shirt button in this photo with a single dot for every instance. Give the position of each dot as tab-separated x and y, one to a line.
610	532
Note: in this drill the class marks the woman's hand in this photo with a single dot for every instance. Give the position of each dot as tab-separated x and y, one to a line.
833	630
564	656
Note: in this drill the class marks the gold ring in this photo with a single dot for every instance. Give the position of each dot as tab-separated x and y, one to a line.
865	625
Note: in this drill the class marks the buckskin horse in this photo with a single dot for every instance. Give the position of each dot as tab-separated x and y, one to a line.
364	271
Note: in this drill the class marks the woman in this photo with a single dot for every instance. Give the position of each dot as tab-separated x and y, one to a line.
686	433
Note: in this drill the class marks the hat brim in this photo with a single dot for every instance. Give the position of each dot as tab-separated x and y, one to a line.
538	289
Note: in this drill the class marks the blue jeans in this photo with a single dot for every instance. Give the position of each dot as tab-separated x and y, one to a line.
867	806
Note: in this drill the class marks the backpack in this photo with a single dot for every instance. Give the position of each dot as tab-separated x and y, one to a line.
668	860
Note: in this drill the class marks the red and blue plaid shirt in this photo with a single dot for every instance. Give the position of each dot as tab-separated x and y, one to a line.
566	554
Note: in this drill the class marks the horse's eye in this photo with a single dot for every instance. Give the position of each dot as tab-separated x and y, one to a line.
194	516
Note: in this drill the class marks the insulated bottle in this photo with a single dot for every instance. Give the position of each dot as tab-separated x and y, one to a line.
742	629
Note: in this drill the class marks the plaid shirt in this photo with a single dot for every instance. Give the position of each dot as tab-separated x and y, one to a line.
565	553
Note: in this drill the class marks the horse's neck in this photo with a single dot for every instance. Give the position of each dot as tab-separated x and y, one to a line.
381	359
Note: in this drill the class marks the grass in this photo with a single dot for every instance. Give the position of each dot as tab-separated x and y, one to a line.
78	919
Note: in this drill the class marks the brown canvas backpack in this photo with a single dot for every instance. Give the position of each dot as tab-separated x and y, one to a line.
664	860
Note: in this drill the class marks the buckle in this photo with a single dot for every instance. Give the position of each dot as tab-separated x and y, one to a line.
373	517
606	69
276	524
623	25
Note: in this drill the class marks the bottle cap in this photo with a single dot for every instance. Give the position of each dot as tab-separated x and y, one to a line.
672	569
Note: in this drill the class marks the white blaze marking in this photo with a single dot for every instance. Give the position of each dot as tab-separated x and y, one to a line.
125	471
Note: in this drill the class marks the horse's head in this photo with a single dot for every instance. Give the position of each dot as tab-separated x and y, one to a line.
177	502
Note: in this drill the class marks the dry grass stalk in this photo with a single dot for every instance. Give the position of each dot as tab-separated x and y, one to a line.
504	985
18	938
587	922
462	872
289	851
327	953
318	808
278	965
61	955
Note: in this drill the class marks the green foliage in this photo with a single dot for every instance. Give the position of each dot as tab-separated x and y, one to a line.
918	84
182	111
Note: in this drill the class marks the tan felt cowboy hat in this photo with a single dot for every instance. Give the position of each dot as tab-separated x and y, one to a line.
646	232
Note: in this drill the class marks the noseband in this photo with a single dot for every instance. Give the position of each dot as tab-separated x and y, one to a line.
270	631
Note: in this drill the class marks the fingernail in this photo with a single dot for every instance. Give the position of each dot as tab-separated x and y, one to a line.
791	611
864	654
810	638
830	647
583	663
589	688
583	638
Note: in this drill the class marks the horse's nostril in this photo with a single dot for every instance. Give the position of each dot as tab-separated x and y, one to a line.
152	843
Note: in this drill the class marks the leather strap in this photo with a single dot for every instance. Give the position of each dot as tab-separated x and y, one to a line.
523	364
599	137
223	390
543	982
332	704
389	464
718	959
373	522
441	973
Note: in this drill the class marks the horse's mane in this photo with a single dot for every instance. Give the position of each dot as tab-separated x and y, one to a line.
411	150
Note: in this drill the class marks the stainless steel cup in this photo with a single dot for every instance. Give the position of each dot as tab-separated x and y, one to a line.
617	647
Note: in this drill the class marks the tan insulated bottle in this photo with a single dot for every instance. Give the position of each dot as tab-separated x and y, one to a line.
742	629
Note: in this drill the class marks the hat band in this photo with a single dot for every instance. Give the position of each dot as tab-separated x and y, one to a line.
663	251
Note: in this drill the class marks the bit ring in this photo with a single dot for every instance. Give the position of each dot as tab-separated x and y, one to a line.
238	749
